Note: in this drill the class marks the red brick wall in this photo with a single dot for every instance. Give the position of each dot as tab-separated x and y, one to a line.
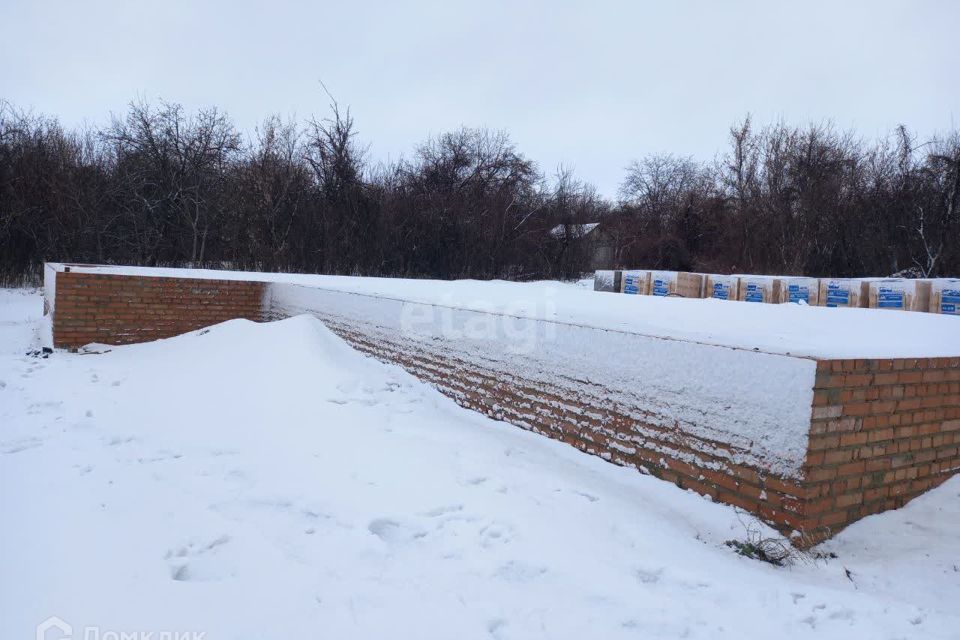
882	432
598	426
118	309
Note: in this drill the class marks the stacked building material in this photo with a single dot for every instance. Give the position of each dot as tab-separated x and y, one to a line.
898	295
721	287
635	282
607	281
797	289
841	292
676	283
945	296
756	288
936	295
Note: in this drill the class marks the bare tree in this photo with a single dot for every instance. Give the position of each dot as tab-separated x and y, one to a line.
160	185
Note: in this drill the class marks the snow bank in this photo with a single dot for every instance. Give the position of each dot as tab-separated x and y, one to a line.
787	329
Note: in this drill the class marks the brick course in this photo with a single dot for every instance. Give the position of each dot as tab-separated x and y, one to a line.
882	432
596	426
117	309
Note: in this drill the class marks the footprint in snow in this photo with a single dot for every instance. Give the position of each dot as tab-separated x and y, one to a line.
495	534
180	560
180	573
441	511
842	614
384	528
588	496
22	445
41	407
495	627
391	531
193	548
646	576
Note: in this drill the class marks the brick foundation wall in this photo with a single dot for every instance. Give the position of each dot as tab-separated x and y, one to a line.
882	432
117	309
565	402
598	427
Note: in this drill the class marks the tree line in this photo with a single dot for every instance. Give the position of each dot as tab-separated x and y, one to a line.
160	186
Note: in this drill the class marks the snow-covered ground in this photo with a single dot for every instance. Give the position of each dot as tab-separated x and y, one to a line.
266	481
790	329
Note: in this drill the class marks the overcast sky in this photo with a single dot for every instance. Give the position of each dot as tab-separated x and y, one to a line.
591	85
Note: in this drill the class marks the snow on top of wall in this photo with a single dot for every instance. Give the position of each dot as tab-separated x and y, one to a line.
787	329
49	287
